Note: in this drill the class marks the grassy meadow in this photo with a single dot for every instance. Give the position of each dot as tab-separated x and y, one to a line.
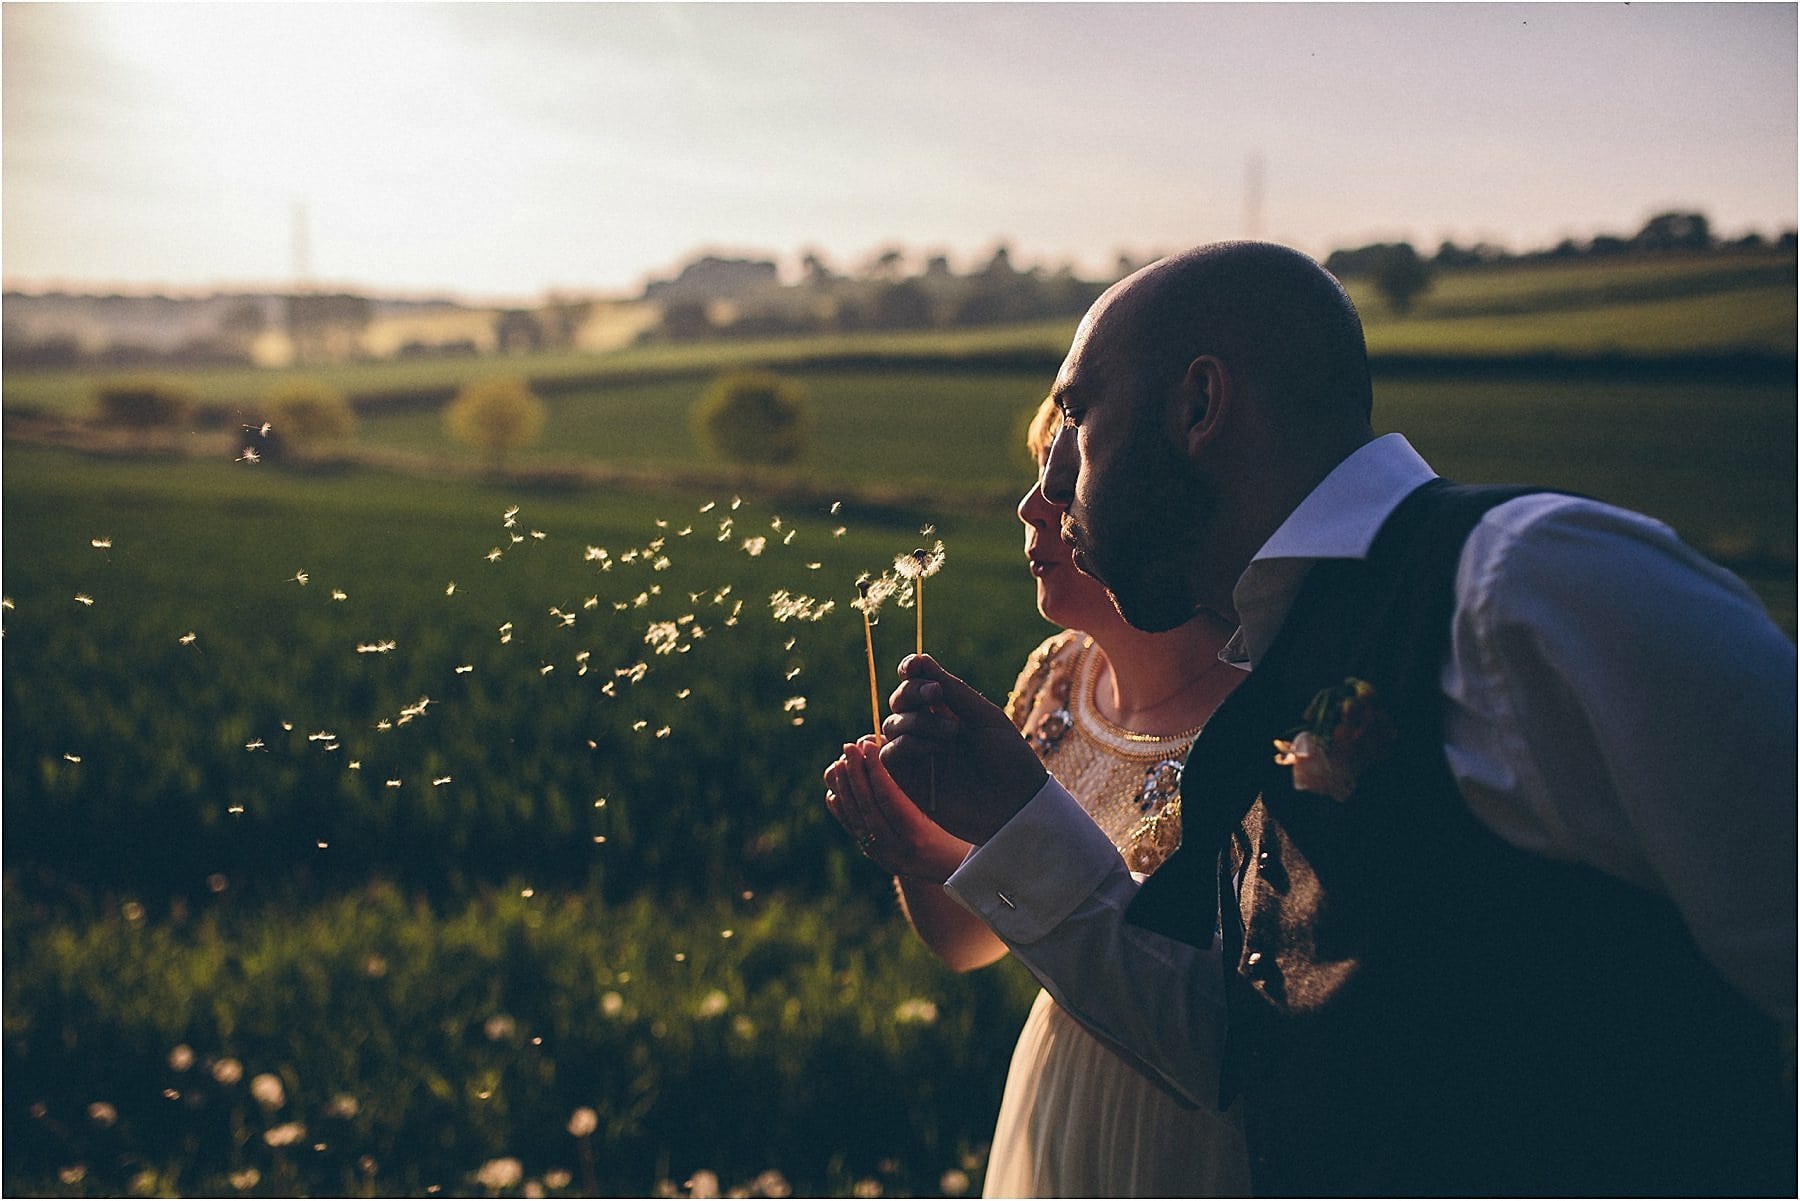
364	840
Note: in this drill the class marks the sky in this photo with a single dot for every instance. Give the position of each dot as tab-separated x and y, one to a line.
507	150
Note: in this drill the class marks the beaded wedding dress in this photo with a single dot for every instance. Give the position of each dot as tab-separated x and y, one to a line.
1076	1120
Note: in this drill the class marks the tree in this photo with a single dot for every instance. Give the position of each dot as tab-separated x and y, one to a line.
1675	231
753	417
309	416
143	405
496	414
1400	275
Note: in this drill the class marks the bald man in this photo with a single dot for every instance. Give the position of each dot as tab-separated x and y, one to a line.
1488	875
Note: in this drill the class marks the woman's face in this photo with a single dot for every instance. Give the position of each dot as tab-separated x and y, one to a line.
1065	596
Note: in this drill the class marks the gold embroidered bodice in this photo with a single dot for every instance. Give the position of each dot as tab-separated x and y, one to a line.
1129	783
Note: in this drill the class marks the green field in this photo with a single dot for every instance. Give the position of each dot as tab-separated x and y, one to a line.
259	845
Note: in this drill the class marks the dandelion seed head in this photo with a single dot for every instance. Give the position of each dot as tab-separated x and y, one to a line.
268	1091
284	1135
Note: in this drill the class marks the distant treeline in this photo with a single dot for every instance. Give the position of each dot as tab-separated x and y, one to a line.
723	298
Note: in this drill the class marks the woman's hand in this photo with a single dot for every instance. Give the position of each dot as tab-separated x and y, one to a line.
889	828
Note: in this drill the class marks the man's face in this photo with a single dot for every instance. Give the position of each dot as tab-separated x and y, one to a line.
1133	505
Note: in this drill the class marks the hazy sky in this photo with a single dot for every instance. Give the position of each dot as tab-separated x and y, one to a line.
498	150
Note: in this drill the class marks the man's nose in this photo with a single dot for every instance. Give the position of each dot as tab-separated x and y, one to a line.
1060	469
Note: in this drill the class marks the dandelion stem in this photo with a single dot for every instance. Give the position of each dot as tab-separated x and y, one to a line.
862	588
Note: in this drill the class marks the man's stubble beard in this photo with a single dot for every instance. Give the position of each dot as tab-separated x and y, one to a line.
1138	545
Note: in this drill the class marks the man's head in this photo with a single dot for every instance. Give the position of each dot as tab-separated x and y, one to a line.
1203	397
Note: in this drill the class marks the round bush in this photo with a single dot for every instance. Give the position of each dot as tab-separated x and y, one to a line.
753	417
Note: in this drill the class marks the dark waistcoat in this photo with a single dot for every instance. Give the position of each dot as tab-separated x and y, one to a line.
1415	1006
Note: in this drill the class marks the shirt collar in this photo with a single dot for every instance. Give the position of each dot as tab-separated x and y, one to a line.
1338	520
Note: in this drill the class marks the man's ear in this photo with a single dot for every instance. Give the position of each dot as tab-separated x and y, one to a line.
1202	404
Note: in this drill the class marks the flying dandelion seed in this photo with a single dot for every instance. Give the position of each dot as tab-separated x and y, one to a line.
708	506
592	602
261	431
540	535
546	669
684	694
721	594
338	594
663	732
82	598
288	726
6	602
736	501
440	781
234	809
517	538
661	564
790	537
493	556
511	517
793	704
375	648
300	578
684	531
839	532
255	744
100	543
792	672
790	644
450	588
465	669
636	726
321	736
249	456
384	724
837	506
188	638
775	523
610	688
506	632
72	758
600	804
599	838
754	546
393	783
355	765
322	845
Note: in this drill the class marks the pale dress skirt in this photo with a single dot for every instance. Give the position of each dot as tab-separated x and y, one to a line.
1077	1121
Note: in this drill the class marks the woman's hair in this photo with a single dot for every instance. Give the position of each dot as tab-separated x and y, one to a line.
1042	431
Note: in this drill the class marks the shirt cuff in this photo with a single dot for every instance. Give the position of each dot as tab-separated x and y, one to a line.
1037	868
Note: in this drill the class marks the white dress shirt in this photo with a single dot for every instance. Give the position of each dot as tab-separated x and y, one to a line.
1612	698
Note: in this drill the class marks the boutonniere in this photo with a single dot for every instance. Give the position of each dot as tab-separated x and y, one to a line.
1345	731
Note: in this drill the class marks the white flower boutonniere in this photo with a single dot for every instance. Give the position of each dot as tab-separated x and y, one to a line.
1345	732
